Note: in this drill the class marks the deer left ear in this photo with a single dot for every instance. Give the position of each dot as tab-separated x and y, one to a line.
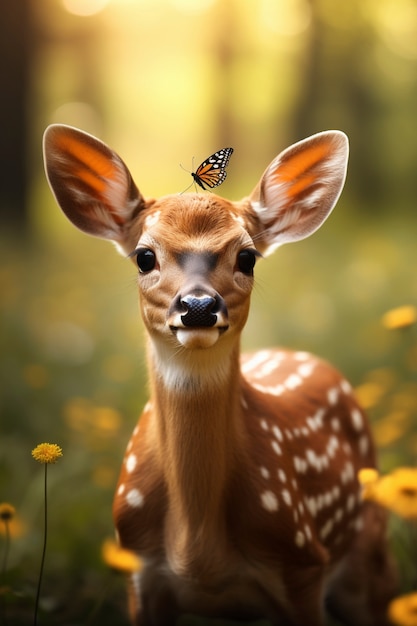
299	189
90	182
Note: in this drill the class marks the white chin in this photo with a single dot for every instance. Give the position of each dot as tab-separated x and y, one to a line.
195	339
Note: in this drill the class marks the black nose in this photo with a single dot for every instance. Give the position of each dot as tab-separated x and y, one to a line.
200	310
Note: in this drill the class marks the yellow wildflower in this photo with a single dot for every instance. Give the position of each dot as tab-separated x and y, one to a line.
368	477
119	558
388	430
400	317
396	491
11	525
47	453
402	611
369	394
7	511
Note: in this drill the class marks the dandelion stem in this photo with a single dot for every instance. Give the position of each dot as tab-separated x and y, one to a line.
45	534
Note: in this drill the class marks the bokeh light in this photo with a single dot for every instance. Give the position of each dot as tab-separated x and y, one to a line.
85	8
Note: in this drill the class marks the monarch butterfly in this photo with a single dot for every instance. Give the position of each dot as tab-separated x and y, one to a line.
212	171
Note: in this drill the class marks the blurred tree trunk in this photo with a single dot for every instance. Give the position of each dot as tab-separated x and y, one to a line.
223	47
16	49
334	93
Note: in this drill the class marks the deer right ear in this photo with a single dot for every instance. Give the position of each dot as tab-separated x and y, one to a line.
90	182
299	189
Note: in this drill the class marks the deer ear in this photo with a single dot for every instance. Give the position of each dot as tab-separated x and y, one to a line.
299	189
90	182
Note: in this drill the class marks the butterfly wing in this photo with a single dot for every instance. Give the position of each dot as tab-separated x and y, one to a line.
212	171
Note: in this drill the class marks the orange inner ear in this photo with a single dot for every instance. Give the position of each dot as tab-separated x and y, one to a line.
297	169
302	161
98	166
298	186
95	183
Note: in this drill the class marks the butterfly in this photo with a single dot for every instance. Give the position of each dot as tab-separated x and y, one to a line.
212	172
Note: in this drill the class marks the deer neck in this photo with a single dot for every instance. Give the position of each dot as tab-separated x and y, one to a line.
196	403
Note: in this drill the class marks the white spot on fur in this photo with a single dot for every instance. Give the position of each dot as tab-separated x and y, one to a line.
328	498
306	369
326	529
286	496
357	419
277	432
300	539
134	498
333	396
267	368
255	361
348	473
121	489
293	381
335	424
276	447
239	219
269	501
300	465
346	387
265	472
336	492
282	476
152	219
131	462
273	391
350	505
332	446
311	506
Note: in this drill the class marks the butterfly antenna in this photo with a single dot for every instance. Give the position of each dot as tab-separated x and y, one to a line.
188	171
183	168
187	188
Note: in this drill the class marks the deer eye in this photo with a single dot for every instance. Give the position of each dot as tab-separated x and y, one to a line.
246	260
145	259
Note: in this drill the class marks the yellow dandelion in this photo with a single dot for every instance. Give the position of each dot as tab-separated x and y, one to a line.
402	611
120	558
7	512
369	394
396	491
47	453
388	430
368	478
12	526
400	317
368	475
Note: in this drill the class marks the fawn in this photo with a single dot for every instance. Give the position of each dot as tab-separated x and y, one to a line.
239	486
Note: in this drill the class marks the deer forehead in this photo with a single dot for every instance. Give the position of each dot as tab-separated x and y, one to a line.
194	223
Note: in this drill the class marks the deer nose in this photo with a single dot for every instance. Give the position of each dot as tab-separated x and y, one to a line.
199	310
